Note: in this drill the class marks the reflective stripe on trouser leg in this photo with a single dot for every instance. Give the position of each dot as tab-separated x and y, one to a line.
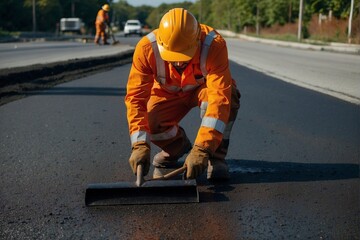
176	145
175	149
171	133
165	111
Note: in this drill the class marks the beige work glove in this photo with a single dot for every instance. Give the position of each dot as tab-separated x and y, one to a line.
140	155
196	162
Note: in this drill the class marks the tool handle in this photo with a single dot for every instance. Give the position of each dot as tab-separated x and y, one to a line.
139	175
172	174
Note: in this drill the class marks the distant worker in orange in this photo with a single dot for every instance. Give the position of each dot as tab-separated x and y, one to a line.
102	21
179	66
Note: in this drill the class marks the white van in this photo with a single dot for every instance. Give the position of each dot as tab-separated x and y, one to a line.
71	25
133	27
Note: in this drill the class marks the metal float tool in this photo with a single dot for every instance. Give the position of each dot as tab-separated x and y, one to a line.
154	191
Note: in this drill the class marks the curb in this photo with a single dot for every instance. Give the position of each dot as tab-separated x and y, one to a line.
10	76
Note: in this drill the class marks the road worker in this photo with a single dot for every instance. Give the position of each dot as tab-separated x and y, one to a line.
181	65
101	22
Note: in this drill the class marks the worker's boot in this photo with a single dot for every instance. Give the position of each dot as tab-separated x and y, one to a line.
169	156
217	167
97	40
105	41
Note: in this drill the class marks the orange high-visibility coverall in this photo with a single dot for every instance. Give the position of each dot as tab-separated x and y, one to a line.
154	111
102	18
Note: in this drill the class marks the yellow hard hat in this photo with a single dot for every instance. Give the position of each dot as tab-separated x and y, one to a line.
106	7
178	35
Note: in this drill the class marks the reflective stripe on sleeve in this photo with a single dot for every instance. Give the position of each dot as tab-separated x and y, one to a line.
213	123
140	136
203	108
165	135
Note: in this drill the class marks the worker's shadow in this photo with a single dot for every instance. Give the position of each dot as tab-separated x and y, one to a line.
255	171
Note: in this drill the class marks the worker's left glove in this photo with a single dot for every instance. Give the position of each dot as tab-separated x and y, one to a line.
140	155
196	162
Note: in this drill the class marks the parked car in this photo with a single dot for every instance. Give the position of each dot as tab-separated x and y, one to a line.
133	27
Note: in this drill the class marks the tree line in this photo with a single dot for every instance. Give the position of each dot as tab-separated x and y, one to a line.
235	15
17	15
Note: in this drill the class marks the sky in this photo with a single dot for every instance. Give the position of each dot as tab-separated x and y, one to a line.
153	3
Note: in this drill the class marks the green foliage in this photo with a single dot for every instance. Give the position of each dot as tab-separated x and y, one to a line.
14	16
339	8
278	11
122	12
202	11
157	13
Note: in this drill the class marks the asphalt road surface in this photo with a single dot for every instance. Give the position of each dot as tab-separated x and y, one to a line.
294	162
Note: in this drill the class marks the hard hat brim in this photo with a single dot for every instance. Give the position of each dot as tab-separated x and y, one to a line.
106	7
171	56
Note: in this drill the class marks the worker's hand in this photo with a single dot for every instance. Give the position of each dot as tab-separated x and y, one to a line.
140	155
196	162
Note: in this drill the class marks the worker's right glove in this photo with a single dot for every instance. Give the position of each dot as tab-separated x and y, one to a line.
140	154
196	162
